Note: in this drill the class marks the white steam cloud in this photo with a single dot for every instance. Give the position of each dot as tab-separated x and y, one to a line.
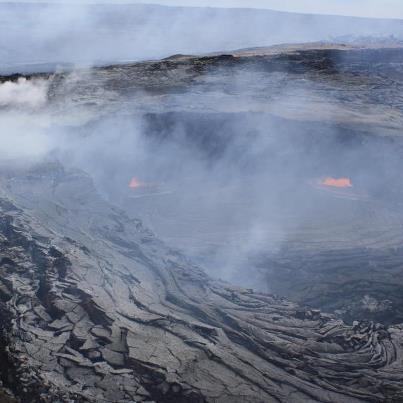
82	33
233	176
23	92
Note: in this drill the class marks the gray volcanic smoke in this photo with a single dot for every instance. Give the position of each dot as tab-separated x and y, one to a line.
231	159
77	33
153	204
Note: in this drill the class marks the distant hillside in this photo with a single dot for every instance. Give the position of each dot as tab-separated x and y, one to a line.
45	33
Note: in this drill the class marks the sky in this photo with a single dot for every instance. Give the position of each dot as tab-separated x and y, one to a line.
362	8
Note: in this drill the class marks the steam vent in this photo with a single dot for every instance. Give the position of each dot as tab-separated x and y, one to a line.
220	225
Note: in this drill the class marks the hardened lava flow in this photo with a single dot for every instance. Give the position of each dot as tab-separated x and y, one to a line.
94	307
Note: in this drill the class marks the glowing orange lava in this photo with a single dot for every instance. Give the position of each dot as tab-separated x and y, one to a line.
337	182
135	183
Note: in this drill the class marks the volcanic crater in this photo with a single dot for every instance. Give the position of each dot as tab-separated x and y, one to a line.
96	307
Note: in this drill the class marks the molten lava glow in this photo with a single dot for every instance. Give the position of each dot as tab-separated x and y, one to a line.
135	183
337	183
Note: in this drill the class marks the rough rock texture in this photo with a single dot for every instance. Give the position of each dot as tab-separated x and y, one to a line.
94	308
354	282
314	94
356	87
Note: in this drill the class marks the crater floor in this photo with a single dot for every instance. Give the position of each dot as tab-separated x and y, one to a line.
94	306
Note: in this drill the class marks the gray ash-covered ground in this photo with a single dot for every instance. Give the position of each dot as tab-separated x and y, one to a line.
95	307
313	111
